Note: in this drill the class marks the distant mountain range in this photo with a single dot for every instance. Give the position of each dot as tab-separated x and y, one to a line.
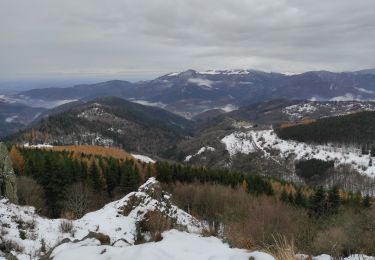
191	92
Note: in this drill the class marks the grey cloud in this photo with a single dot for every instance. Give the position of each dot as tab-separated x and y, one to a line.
42	36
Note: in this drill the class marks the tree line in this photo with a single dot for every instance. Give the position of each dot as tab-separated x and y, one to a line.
55	171
354	129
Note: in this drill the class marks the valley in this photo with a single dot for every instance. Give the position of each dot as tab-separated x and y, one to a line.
105	167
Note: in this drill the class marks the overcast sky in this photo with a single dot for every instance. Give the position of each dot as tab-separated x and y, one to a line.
152	37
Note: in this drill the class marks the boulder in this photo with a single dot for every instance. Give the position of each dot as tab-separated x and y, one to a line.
8	181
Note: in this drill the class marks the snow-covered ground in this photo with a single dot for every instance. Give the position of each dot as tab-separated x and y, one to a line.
301	110
175	245
266	140
27	145
200	151
109	220
143	158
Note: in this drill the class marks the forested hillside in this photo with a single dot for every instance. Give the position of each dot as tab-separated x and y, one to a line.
71	182
357	129
111	122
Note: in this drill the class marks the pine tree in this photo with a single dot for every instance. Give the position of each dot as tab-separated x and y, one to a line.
372	152
129	177
284	196
333	201
366	202
95	176
364	150
318	203
299	199
291	198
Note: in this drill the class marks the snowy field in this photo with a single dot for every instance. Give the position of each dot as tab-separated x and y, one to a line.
175	245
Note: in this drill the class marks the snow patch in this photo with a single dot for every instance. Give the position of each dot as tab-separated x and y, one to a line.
143	158
28	145
201	82
200	151
11	119
239	142
229	108
148	103
365	90
346	97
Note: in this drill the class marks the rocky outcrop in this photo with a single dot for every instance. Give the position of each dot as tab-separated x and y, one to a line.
8	184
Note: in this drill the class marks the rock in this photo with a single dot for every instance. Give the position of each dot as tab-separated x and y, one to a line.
8	182
103	239
153	189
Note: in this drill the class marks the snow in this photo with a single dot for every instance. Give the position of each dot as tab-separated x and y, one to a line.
200	151
365	90
296	110
94	111
201	82
143	158
27	145
346	97
299	111
266	140
10	119
238	142
6	99
229	108
148	103
108	220
226	72
242	124
175	245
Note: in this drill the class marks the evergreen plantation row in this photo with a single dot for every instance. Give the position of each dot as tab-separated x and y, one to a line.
355	129
56	171
109	178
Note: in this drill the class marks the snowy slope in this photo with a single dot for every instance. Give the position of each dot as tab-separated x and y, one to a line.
266	140
320	109
175	245
110	220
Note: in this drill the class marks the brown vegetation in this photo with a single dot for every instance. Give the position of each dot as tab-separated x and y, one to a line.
30	193
305	121
265	223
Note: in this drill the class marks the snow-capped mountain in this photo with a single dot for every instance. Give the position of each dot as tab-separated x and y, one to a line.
191	92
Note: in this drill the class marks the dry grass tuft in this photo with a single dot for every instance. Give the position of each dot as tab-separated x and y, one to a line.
282	248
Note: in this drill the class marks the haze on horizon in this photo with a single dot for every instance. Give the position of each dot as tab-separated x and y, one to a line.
145	38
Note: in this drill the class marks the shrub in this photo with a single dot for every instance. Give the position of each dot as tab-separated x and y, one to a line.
30	193
22	234
154	224
66	226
